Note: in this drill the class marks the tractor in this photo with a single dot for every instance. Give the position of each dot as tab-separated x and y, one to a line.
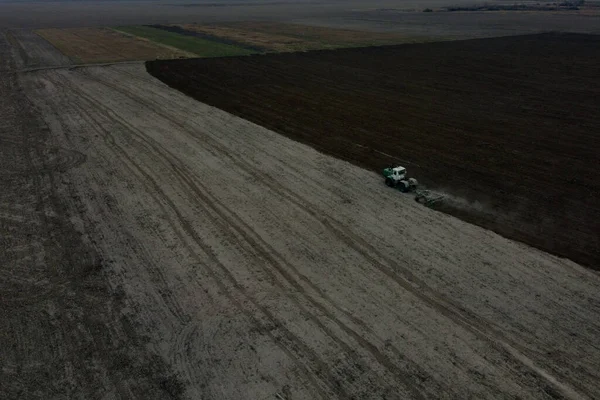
395	177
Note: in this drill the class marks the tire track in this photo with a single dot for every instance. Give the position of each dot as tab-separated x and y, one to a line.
405	279
327	222
453	311
65	338
230	220
274	326
156	274
154	83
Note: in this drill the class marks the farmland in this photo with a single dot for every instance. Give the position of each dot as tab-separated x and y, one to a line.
141	43
198	46
284	37
32	51
219	251
98	45
508	127
156	247
131	43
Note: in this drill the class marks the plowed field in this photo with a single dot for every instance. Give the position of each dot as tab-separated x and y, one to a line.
154	247
508	127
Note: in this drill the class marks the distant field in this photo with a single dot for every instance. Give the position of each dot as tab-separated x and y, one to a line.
94	45
462	25
283	37
198	46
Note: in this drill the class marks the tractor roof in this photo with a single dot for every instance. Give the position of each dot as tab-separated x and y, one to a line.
399	169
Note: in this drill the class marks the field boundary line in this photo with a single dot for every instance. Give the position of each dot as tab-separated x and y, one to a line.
166	46
108	64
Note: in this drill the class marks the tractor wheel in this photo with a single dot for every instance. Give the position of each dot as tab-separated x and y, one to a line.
404	186
389	182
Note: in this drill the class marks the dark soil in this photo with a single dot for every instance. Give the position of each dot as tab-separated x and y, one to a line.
508	126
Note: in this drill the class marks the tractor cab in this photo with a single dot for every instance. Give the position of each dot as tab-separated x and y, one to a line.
395	176
396	173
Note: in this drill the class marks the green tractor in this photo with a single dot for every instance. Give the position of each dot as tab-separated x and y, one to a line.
395	177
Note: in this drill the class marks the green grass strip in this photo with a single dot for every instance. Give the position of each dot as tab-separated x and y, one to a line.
199	46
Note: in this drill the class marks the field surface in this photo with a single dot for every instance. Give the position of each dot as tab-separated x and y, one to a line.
508	127
154	247
200	47
99	45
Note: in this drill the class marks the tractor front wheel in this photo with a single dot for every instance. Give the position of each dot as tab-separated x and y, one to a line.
389	182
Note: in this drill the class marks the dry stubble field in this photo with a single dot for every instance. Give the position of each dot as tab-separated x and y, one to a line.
285	37
97	45
507	126
156	247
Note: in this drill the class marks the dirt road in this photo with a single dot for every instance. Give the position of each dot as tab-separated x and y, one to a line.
224	261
